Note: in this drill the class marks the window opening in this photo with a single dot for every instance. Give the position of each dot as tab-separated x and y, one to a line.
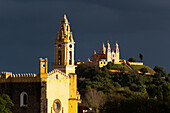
70	60
23	99
59	58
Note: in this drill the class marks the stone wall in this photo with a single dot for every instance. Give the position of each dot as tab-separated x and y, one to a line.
36	94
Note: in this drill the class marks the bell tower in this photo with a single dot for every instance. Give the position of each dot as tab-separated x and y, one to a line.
64	48
116	53
108	52
43	67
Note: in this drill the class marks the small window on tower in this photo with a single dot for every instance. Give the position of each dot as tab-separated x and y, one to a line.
59	46
43	65
56	76
59	58
70	57
67	28
60	38
70	46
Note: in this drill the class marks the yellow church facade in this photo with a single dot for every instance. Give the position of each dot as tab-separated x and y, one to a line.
47	92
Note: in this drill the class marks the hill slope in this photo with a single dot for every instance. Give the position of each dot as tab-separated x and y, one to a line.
130	68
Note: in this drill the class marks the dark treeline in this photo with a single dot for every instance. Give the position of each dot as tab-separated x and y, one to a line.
108	92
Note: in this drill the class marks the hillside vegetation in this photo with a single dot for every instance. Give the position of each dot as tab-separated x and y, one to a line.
138	67
108	92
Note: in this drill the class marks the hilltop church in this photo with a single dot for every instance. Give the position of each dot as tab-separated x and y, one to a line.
104	56
47	92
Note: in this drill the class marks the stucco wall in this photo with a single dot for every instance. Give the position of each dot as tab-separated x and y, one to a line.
57	89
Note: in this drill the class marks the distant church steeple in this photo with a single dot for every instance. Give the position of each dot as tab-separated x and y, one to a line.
94	52
108	52
102	50
116	53
116	49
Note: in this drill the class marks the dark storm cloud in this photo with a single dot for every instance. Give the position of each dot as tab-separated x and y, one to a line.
28	29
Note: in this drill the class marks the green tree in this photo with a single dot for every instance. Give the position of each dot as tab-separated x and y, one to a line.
159	92
132	59
166	92
95	98
143	70
152	90
5	104
141	57
160	71
116	84
109	65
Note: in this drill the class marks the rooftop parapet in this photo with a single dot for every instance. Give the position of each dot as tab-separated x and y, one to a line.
22	75
6	74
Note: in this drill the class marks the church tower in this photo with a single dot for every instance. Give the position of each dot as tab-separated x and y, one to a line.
54	91
64	48
108	57
115	53
102	50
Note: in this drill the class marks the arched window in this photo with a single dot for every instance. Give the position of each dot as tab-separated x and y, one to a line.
23	99
67	28
70	38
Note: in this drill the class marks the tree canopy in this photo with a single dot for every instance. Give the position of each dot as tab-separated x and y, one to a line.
160	72
118	92
132	59
143	70
5	104
141	56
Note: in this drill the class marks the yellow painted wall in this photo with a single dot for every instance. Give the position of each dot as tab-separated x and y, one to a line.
57	89
118	62
43	65
117	71
65	89
102	63
117	57
73	102
73	106
135	63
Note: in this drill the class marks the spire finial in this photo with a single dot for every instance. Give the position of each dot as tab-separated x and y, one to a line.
64	14
64	11
94	51
103	44
107	41
108	45
64	20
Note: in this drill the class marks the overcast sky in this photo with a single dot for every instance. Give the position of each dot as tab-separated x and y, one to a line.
28	30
